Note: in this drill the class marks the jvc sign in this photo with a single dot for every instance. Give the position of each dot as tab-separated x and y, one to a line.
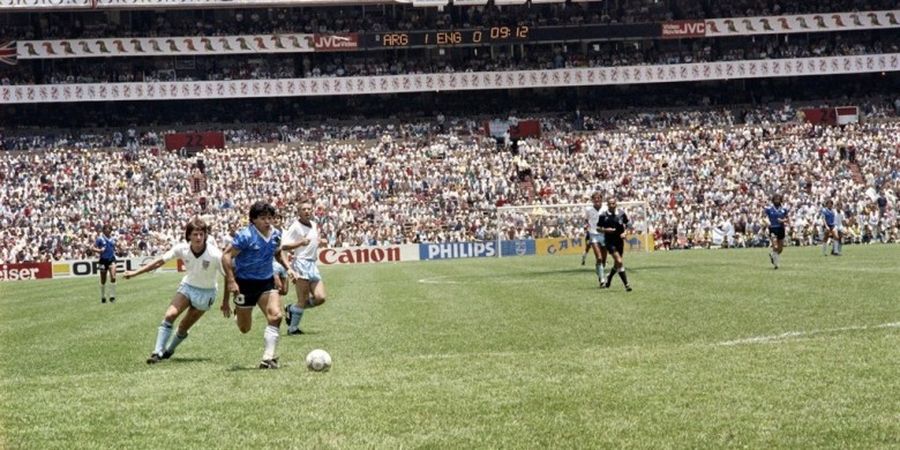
683	29
336	42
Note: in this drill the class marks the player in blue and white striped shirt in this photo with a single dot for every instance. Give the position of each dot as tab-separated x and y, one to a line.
105	246
248	268
778	216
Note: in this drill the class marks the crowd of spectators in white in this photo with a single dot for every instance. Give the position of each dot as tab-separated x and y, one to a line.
437	182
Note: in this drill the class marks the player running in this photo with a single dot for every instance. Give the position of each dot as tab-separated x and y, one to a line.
778	216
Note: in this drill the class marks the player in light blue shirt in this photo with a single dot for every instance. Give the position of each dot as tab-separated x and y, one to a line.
778	216
251	279
105	246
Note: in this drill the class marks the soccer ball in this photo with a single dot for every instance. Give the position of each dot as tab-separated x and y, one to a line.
318	360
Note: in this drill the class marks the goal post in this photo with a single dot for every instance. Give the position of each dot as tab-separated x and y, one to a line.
567	221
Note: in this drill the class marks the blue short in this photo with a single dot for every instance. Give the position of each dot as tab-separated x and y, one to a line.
200	298
596	238
307	269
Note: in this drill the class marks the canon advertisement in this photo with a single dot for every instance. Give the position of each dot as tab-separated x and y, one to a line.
366	255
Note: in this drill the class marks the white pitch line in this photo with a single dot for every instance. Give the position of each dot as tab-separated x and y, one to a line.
796	334
436	280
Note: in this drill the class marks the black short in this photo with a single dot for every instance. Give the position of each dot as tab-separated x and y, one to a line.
105	263
252	290
615	245
777	232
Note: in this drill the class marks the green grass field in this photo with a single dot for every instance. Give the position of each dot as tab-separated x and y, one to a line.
712	349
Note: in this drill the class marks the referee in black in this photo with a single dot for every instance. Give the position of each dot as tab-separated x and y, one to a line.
612	224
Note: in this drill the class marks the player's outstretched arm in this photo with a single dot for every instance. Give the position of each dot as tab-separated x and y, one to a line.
149	267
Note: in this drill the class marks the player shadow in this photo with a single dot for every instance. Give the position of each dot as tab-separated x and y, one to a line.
187	360
237	368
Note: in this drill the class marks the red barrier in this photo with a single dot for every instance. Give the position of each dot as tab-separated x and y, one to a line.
195	141
25	271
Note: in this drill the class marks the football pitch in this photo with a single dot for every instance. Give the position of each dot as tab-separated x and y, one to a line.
711	349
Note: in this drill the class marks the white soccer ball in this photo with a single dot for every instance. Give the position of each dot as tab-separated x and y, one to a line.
318	360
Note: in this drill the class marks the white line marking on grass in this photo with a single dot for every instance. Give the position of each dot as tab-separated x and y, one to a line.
797	334
437	280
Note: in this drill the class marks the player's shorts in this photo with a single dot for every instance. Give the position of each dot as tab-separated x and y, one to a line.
200	298
777	232
830	227
307	269
252	290
615	245
596	238
105	263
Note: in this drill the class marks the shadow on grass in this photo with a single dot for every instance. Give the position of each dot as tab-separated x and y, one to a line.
175	360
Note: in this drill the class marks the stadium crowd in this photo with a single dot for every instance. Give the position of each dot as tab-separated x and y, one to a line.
348	18
426	182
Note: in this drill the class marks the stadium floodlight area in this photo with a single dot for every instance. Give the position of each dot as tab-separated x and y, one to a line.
568	221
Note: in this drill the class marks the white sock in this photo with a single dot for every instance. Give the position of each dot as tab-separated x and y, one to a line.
112	289
270	338
162	336
102	290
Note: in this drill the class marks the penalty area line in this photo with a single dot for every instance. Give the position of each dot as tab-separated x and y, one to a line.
799	334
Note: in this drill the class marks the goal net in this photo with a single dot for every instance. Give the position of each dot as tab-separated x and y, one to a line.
560	228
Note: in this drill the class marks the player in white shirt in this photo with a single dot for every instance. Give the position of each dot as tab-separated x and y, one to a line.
595	240
202	260
723	233
303	240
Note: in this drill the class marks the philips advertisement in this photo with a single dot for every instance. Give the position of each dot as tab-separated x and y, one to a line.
484	249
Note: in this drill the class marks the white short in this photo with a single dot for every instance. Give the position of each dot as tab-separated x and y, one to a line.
307	269
200	298
596	238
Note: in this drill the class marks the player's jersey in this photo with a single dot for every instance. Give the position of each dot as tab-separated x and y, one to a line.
203	270
838	220
254	262
109	247
591	216
617	220
774	214
298	232
828	215
279	270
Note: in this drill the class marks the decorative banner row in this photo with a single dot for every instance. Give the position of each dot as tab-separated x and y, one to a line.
800	23
169	46
465	81
186	45
156	4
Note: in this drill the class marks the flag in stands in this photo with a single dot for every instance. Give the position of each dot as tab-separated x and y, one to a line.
8	52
